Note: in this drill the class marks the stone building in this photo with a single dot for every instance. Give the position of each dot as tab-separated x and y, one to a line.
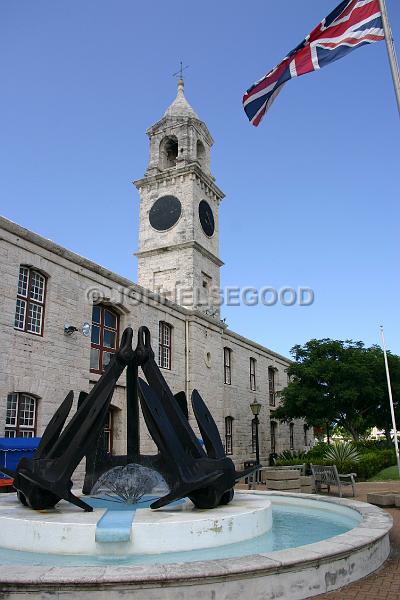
61	314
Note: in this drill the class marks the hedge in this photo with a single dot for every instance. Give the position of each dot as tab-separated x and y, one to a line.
370	463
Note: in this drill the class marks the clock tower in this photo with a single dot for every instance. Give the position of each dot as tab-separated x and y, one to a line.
178	254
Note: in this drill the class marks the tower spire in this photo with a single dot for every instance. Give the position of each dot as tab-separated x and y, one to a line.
180	73
180	107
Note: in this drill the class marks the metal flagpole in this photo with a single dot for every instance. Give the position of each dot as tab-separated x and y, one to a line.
394	67
396	445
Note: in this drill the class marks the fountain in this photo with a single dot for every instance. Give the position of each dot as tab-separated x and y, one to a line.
129	484
155	526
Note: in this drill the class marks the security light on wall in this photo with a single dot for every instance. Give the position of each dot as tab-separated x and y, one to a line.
70	329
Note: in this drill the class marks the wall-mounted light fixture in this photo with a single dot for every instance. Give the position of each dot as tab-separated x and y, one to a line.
86	328
70	329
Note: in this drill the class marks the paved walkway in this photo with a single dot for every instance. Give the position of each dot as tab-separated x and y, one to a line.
384	584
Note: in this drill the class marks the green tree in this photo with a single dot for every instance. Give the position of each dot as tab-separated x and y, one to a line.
339	383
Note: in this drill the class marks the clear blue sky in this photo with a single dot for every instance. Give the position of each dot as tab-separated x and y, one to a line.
312	195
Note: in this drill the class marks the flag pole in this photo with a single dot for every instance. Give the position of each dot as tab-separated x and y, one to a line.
396	444
391	50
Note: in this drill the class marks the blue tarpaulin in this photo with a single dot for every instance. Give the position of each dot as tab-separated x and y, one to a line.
13	449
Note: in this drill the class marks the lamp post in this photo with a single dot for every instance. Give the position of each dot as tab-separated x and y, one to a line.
255	409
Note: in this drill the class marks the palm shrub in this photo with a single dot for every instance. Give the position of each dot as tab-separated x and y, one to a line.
292	455
341	454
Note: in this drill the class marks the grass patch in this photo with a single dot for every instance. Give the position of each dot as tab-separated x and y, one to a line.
388	474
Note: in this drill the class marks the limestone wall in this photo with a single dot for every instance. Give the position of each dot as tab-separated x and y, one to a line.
49	366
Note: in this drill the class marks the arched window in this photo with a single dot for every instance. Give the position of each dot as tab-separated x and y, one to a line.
228	435
168	152
291	436
252	374
201	153
164	345
271	386
20	416
105	329
227	366
31	296
273	436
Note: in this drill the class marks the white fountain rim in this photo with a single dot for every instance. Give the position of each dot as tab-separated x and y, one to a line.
374	526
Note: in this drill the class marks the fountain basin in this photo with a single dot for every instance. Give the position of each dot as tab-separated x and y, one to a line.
292	573
130	530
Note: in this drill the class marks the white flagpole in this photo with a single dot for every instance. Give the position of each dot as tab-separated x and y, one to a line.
394	67
396	444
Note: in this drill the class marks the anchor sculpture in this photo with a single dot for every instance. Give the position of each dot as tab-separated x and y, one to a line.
207	476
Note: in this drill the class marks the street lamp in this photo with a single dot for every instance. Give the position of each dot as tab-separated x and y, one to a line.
255	409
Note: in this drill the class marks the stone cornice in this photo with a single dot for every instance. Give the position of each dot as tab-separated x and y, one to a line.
183	246
175	172
254	345
56	249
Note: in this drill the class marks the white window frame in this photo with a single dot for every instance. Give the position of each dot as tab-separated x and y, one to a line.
165	345
15	427
227	366
253	384
228	435
272	386
31	300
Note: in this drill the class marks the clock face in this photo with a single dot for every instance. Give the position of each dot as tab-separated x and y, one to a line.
206	218
165	212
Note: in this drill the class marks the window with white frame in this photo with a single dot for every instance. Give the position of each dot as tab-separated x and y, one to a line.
31	295
228	435
227	366
252	374
20	416
271	386
164	345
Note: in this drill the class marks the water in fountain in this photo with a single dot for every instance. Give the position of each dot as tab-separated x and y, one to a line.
130	483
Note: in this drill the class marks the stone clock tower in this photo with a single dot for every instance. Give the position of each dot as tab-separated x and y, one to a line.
179	201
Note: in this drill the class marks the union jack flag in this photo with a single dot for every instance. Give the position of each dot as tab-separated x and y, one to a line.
350	25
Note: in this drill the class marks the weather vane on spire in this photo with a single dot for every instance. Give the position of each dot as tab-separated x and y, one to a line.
180	72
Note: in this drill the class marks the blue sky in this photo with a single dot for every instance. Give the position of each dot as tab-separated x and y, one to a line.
311	194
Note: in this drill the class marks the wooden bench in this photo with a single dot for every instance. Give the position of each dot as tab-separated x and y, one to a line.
328	475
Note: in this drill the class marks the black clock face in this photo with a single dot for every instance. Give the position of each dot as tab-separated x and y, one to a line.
165	212
206	218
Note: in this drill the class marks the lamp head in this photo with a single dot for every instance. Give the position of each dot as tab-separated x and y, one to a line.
255	407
